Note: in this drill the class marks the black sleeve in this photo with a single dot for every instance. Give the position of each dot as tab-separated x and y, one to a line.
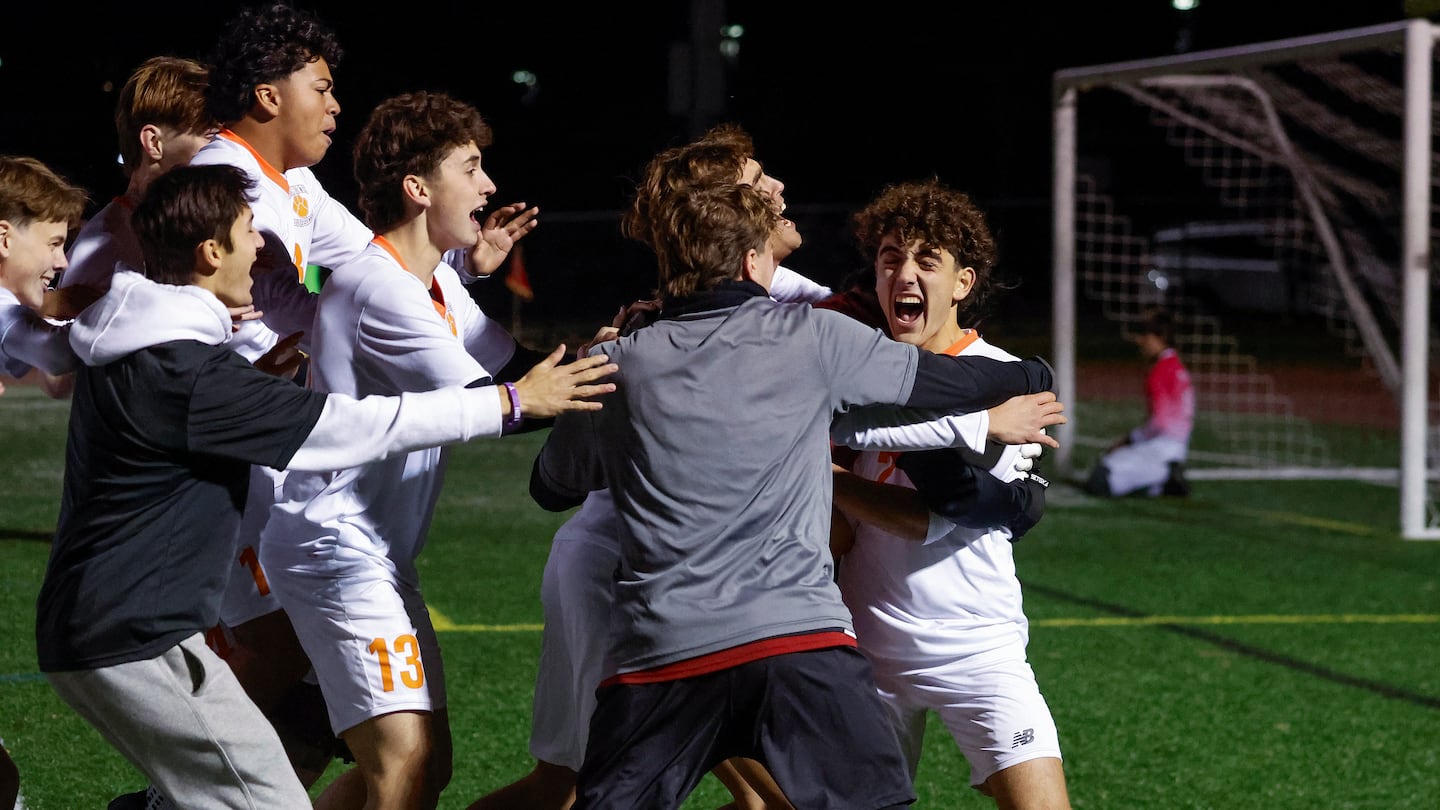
522	361
238	412
567	468
551	500
972	383
958	490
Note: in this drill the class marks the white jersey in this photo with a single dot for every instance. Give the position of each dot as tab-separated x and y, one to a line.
300	220
916	604
379	331
106	240
295	214
29	341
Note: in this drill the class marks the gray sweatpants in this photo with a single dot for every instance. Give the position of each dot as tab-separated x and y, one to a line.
184	721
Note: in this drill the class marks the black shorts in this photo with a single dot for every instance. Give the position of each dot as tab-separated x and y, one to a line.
812	718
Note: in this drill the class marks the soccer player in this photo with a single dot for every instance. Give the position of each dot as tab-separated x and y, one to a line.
165	425
38	209
729	634
1150	459
935	599
340	547
161	122
272	89
575	588
271	92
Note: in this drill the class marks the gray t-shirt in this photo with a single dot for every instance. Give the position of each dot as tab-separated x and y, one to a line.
715	446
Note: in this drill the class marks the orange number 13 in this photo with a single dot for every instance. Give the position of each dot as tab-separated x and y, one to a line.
412	675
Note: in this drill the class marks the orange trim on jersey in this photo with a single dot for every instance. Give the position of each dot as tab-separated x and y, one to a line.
384	244
437	295
960	345
735	656
270	171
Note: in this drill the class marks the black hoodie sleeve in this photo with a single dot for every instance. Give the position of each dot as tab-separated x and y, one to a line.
970	383
967	494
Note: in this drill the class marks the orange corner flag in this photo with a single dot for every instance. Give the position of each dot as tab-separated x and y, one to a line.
517	281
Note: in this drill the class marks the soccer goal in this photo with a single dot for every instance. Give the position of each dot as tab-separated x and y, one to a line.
1275	197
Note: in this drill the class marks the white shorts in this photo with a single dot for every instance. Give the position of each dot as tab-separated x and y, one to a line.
247	593
576	594
990	702
370	641
1143	465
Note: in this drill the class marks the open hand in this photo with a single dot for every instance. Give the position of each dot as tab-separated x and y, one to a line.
242	313
499	232
636	315
1023	419
284	359
550	389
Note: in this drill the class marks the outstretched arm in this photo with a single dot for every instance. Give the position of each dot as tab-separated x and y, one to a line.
976	383
1018	420
411	421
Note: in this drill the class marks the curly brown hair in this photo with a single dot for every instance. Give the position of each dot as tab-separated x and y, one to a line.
936	215
261	44
409	134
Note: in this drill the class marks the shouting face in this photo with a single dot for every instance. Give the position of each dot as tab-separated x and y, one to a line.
920	287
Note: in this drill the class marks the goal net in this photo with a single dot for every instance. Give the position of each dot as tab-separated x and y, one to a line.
1276	199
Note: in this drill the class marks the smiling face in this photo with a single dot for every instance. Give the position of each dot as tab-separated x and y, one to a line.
787	237
232	281
458	189
306	113
920	287
30	256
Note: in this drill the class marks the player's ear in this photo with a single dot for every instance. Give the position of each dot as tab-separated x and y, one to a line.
964	283
750	265
267	98
416	190
152	142
207	257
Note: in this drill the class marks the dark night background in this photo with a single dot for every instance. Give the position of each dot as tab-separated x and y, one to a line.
840	98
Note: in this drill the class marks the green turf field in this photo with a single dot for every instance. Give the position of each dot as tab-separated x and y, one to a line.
1270	645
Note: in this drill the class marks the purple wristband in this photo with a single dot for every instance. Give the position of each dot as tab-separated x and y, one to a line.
512	422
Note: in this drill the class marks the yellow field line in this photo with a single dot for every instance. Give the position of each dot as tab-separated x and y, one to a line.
1343	618
444	625
1312	522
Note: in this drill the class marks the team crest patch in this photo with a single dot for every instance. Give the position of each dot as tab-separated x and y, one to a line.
300	204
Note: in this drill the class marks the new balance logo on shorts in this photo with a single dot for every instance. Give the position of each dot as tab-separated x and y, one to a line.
1023	738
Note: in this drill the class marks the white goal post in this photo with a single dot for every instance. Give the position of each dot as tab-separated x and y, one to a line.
1316	154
